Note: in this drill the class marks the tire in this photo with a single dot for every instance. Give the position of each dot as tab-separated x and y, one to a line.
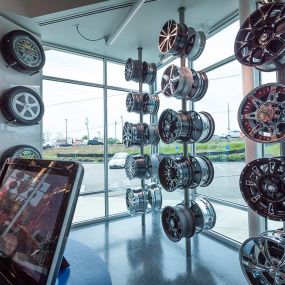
20	151
35	58
13	102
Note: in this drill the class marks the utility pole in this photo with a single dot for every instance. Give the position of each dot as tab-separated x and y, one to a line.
229	128
98	136
122	120
115	131
87	126
65	130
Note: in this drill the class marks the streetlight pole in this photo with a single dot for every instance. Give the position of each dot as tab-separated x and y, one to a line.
115	131
98	136
229	128
65	130
87	126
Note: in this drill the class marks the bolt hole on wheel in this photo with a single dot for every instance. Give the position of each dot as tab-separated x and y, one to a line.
262	186
261	113
260	41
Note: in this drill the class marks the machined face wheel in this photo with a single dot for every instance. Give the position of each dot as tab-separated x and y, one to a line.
178	222
262	258
136	201
261	115
204	213
154	196
149	73
177	82
262	185
260	42
133	70
175	173
136	166
172	38
133	134
195	45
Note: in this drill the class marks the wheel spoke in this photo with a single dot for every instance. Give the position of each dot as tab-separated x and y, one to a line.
249	116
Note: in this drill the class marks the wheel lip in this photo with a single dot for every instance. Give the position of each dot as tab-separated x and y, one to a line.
272	64
242	190
251	93
191	160
192	218
245	243
201	37
155	199
212	126
204	87
211	170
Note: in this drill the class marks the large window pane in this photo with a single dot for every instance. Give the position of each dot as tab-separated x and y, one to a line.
75	67
226	149
218	47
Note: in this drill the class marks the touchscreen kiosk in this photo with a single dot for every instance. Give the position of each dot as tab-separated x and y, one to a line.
37	203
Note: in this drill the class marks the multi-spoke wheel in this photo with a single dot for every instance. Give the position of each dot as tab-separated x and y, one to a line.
172	38
195	45
134	102
133	134
133	70
262	184
150	104
204	213
173	126
260	42
151	135
178	222
202	171
175	173
261	115
21	105
199	86
177	82
136	200
136	166
149	73
262	258
154	196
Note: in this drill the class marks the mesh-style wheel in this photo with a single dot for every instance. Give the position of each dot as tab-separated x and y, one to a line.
150	104
151	135
133	70
134	102
173	126
175	173
133	134
199	86
202	171
172	38
137	166
262	258
261	113
260	42
178	222
195	45
149	73
204	213
136	201
177	82
262	186
154	196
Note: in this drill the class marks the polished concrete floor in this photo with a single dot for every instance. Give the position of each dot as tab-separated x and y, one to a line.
146	257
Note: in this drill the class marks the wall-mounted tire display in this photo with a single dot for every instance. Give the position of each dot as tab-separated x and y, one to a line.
178	222
204	214
22	106
20	151
262	186
262	258
185	126
261	113
260	42
22	51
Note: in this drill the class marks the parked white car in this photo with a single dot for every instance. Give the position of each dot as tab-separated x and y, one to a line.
118	160
232	134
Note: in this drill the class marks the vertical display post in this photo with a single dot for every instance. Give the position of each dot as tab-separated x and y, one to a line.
141	121
181	11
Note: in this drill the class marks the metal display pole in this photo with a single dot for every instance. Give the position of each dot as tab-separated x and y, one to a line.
181	11
141	121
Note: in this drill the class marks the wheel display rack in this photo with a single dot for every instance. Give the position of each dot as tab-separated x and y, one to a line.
260	43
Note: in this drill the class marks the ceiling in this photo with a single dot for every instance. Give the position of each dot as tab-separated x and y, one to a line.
99	20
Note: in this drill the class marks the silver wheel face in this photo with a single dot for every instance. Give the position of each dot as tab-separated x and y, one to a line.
136	201
204	213
261	115
177	82
26	106
262	259
154	196
260	42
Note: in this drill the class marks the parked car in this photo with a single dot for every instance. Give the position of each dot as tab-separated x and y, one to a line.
118	160
48	144
94	142
232	134
65	145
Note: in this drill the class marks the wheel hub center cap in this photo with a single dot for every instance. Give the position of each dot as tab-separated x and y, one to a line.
264	37
266	113
172	223
271	187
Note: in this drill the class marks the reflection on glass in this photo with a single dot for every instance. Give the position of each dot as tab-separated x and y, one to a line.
70	66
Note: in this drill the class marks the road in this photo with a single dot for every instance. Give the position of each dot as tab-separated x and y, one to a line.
224	186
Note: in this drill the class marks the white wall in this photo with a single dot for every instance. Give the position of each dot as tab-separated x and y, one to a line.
15	6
